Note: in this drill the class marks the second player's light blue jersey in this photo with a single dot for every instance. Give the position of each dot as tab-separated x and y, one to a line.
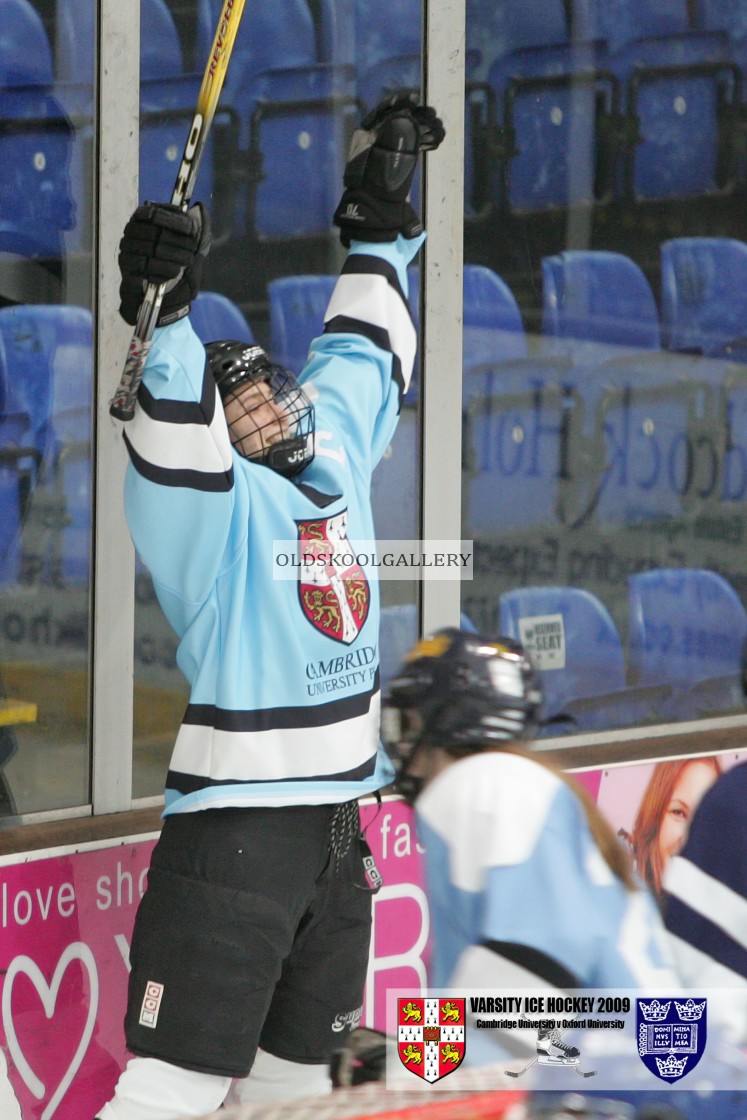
511	860
283	673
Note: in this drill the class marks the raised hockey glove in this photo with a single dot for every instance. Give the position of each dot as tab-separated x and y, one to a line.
163	244
381	164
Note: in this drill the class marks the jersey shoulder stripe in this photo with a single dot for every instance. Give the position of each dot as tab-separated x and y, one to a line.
182	443
368	300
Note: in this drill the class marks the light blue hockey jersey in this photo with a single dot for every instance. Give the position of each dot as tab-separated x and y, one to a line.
510	858
284	682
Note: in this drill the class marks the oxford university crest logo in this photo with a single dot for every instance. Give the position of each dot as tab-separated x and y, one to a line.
671	1035
333	588
431	1036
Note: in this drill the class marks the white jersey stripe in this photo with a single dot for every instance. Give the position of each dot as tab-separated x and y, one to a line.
370	298
717	902
279	754
193	447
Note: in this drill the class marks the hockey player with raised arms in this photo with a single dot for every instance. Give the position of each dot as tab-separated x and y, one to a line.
251	943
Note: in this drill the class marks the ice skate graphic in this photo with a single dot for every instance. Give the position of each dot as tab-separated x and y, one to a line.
552	1051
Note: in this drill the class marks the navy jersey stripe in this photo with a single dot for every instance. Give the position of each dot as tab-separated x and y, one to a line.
181	412
208	481
273	719
191	783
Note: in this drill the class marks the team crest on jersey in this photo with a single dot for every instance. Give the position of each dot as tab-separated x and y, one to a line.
671	1035
431	1036
334	592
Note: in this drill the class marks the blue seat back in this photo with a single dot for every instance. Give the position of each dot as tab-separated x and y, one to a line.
687	625
25	54
619	22
160	48
48	356
297	306
704	294
499	30
280	35
294	130
571	638
387	47
598	296
36	203
399	633
215	317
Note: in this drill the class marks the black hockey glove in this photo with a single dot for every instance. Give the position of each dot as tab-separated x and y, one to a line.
163	244
381	164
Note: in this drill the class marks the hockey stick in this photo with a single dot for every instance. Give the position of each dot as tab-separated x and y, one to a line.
521	1072
122	404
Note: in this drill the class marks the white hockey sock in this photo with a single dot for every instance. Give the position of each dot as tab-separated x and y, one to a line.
150	1089
276	1079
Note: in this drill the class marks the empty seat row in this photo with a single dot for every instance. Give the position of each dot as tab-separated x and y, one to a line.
556	119
686	630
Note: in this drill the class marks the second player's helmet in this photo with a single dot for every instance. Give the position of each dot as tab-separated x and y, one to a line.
461	692
282	437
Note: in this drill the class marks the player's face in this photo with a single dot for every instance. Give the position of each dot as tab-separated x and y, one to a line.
692	783
255	420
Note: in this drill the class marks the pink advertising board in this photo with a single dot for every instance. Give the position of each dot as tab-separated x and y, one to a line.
66	919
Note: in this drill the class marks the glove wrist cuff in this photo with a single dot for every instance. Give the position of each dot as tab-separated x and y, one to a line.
174	316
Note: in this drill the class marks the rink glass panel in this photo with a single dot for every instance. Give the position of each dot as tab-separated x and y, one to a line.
46	406
604	390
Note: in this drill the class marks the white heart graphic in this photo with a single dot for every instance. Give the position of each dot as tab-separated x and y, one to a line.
48	995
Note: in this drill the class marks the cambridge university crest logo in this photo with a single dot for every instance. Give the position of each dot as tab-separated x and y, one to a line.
431	1036
333	588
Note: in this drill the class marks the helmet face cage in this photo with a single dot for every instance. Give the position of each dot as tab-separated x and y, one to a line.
273	426
468	692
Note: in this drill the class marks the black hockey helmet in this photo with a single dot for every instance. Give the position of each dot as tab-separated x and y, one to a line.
233	364
462	692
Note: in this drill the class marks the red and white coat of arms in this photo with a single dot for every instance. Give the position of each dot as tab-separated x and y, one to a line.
333	588
431	1036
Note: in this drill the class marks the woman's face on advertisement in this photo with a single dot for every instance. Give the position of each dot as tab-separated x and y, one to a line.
689	788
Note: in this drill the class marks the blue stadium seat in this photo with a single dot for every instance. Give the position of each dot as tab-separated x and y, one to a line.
36	203
25	54
48	351
297	306
599	297
576	649
292	117
399	633
687	629
674	83
387	47
160	48
280	35
704	296
492	325
168	94
215	316
542	106
728	17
